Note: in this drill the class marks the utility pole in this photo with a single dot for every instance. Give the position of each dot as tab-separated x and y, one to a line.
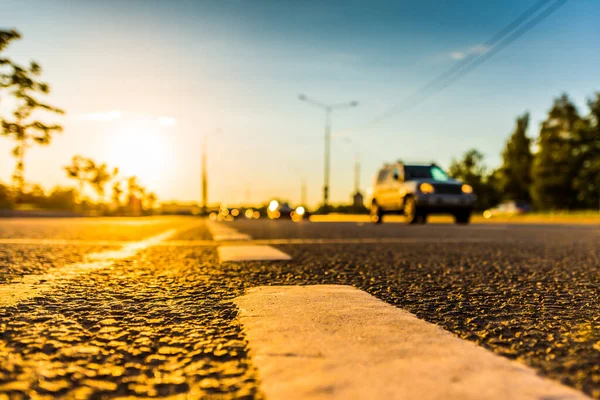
303	193
356	174
204	178
204	174
328	108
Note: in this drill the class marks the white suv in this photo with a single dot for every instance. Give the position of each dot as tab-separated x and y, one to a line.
419	190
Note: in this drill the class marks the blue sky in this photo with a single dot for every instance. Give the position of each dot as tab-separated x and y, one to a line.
239	66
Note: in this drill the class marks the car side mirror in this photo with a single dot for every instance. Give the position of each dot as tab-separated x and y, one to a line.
396	176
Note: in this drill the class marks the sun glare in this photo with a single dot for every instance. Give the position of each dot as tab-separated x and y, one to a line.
141	148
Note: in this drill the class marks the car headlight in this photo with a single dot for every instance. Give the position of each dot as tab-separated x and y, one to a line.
426	188
467	189
273	205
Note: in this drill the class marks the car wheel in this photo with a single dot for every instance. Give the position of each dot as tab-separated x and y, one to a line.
411	212
422	219
376	213
462	217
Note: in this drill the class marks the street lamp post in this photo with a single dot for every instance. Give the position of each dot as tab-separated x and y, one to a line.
356	164
328	108
205	173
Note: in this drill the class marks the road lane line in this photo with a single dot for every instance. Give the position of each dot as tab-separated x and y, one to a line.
33	285
251	253
239	246
178	243
337	342
221	232
324	241
64	242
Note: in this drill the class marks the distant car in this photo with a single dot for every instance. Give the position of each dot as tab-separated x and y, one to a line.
282	210
416	191
228	214
512	207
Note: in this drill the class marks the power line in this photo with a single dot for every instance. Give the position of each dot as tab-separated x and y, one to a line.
497	42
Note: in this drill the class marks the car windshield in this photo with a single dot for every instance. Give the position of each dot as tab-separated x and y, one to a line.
424	172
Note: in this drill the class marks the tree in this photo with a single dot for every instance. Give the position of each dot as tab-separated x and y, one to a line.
560	157
150	201
117	192
81	171
5	197
5	38
24	127
587	180
100	177
85	170
472	171
61	199
134	195
515	173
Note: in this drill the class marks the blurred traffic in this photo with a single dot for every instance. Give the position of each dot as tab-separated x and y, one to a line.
275	210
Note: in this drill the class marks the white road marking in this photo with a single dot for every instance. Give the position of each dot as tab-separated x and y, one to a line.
337	342
177	243
235	252
221	232
32	285
251	253
64	242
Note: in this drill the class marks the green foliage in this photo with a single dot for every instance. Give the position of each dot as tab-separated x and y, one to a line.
587	180
60	199
565	168
81	170
472	170
86	171
514	176
24	127
5	197
7	36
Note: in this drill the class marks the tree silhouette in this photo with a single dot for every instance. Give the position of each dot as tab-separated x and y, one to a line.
472	170
100	176
558	160
117	192
81	170
5	38
23	127
515	172
150	201
586	154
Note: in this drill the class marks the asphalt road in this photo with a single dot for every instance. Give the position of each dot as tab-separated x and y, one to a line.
160	320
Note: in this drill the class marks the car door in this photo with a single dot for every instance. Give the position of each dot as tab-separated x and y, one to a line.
381	187
395	183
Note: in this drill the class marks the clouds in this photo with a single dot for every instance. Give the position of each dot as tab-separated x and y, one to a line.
166	121
474	50
101	116
457	55
113	115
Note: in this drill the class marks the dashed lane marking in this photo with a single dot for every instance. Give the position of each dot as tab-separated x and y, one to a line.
64	242
177	243
32	285
337	342
325	241
245	250
222	233
251	253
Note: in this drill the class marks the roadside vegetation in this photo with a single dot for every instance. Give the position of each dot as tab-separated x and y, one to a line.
30	122
559	169
563	173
